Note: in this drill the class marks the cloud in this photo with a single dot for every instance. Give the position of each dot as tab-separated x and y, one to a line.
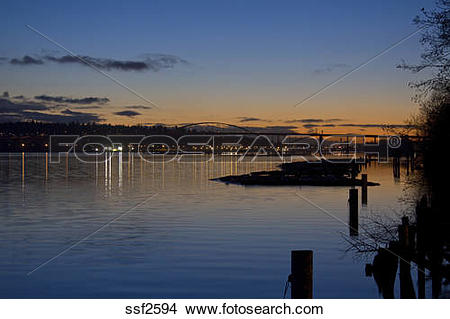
334	120
273	129
63	99
245	119
62	118
357	125
127	113
311	125
305	121
312	120
25	111
148	62
26	60
6	106
138	107
375	125
151	62
280	127
331	67
81	116
249	119
87	107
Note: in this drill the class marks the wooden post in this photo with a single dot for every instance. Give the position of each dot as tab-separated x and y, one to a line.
421	275
403	235
364	189
421	208
384	271
353	209
407	164
396	166
406	284
301	277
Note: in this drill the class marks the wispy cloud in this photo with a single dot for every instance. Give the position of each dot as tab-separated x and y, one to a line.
7	106
26	60
81	116
332	67
138	107
127	113
375	125
87	107
149	62
26	110
273	129
59	108
313	120
64	99
62	118
309	126
357	125
245	119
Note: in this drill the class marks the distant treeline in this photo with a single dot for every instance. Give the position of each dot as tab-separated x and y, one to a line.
34	136
19	129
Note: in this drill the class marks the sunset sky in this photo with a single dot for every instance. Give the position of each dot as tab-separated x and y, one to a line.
241	62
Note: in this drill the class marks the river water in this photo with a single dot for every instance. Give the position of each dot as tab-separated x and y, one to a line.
137	229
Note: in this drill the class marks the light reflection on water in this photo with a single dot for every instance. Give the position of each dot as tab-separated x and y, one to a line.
195	238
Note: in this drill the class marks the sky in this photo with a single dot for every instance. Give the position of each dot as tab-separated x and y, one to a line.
241	62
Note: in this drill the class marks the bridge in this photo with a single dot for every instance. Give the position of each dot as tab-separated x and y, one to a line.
248	131
216	123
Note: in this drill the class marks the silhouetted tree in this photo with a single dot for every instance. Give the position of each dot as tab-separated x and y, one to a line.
433	93
436	56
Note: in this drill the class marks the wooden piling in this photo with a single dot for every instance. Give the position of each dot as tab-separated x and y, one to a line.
384	271
396	166
364	189
421	275
406	283
403	234
421	208
353	211
407	164
405	240
301	277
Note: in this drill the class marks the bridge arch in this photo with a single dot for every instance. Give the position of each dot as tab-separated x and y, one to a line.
216	123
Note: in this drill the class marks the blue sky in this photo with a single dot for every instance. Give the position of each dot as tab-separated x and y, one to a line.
246	58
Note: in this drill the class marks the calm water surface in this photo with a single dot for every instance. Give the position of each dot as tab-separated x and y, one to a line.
193	238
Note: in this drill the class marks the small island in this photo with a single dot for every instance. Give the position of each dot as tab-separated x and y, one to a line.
323	173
